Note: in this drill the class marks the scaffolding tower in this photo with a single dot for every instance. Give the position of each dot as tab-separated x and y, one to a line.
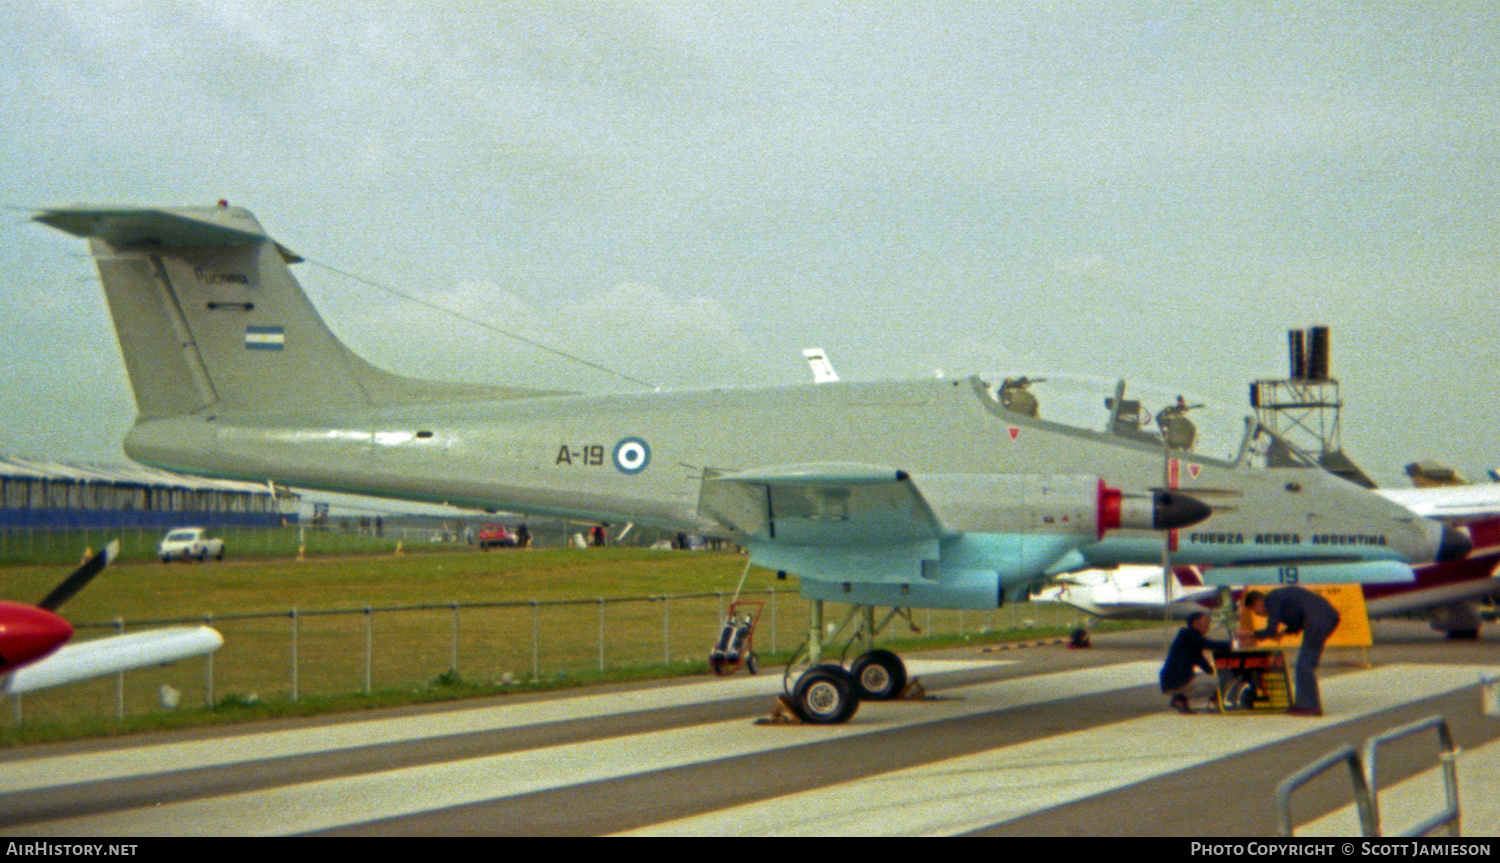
1304	408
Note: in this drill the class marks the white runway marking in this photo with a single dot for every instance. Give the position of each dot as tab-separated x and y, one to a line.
349	800
975	791
27	774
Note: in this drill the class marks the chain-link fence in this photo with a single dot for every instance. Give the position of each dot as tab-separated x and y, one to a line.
299	653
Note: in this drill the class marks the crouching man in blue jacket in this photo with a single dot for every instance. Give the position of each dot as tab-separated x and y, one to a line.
1178	676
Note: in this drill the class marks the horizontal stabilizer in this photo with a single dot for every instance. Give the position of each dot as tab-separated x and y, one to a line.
188	227
102	656
1333	572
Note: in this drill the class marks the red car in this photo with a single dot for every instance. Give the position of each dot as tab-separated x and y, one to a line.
492	535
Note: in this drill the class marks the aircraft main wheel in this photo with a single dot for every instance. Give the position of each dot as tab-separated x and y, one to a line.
879	675
752	663
825	695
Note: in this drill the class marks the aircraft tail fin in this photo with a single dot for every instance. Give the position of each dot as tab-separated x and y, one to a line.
1188	576
822	369
210	318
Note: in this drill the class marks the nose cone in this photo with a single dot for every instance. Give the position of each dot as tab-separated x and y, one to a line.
1455	545
28	633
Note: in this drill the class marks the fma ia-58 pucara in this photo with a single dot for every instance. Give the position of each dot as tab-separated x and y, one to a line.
901	494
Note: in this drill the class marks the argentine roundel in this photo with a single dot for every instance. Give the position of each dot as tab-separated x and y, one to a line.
632	455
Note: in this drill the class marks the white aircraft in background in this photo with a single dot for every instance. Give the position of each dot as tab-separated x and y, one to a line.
1448	591
1132	591
34	653
822	369
1461	504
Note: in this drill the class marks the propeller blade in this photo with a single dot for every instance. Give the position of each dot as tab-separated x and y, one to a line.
80	577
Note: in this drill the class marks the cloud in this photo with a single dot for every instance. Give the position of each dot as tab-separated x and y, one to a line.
694	193
477	330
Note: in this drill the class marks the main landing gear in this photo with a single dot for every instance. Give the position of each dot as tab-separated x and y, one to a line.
828	693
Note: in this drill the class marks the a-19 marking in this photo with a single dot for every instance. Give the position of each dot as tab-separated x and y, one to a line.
588	455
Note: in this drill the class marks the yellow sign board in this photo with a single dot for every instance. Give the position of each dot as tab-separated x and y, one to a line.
1347	599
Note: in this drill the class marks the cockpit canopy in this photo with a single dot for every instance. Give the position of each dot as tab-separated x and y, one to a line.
1150	415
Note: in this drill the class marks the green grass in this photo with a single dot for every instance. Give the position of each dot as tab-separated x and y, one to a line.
142	590
528	619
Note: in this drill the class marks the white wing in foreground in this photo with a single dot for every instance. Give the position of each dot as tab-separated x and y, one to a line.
80	661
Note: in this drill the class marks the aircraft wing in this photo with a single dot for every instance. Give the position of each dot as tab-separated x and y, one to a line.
821	505
847	505
1450	502
859	524
846	524
83	660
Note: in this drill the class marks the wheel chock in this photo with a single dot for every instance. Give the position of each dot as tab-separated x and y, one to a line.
785	714
782	715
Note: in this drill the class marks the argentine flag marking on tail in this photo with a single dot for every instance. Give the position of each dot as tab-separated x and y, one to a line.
265	338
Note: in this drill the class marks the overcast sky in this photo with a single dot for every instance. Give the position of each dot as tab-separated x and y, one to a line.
692	193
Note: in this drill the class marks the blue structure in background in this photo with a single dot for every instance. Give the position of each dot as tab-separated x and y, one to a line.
47	495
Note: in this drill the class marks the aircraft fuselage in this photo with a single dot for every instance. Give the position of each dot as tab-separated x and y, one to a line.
642	457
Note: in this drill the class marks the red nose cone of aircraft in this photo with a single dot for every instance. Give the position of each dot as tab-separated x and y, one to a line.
28	633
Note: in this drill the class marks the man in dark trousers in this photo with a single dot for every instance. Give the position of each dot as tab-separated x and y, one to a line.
1186	654
1297	609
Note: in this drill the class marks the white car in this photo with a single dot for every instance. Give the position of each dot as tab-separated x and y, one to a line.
184	543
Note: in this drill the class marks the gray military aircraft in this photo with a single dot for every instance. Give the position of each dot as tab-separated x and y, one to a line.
917	494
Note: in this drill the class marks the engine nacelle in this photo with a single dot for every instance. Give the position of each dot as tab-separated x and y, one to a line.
1032	503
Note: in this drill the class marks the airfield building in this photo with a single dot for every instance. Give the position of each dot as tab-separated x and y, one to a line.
49	495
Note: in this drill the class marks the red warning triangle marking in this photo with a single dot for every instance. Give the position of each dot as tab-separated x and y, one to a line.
1193	469
1015	432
